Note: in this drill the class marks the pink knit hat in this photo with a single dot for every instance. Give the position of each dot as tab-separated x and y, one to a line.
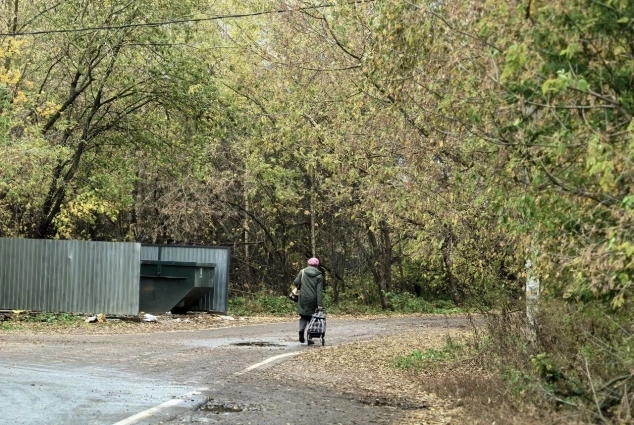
313	262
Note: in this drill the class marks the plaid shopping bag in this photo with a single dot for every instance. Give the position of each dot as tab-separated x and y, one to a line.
317	324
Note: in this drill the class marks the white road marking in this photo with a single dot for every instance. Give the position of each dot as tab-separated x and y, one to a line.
149	412
269	360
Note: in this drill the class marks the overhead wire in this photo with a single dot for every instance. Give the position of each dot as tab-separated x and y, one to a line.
173	22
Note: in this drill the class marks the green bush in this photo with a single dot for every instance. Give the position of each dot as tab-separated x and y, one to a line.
582	358
518	381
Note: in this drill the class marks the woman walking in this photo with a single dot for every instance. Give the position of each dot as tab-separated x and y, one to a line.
310	283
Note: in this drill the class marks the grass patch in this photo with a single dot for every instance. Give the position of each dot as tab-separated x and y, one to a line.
8	326
431	357
45	317
56	318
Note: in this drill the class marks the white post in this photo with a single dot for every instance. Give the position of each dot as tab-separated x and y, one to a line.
532	298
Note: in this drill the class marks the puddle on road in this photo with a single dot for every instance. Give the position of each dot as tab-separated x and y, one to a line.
270	343
256	344
221	407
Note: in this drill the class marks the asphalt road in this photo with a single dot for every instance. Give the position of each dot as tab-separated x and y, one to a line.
205	376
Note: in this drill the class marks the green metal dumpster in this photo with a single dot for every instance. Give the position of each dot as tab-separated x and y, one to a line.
173	286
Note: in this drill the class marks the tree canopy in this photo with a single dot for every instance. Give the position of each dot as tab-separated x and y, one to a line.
426	147
461	139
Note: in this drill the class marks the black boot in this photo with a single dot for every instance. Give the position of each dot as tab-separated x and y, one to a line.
301	336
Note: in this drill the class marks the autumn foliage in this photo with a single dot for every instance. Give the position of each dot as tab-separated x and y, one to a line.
418	148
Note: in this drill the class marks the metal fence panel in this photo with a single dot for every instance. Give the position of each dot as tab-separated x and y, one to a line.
69	276
150	252
218	298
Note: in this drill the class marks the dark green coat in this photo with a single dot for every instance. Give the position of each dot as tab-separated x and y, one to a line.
311	290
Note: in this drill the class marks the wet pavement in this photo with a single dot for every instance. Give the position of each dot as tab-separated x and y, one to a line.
206	376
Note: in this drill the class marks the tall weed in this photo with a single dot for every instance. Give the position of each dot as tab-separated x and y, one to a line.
581	358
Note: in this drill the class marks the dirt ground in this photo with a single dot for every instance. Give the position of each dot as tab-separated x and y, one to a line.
128	324
11	322
364	370
437	395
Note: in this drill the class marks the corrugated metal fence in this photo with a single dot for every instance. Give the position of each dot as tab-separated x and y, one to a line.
95	277
71	276
218	298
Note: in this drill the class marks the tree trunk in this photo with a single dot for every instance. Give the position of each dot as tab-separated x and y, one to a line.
446	249
247	239
13	28
388	256
381	258
313	243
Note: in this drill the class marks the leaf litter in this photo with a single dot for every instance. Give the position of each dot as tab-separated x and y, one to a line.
365	371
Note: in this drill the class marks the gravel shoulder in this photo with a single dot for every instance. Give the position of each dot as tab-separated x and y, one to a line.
164	323
133	324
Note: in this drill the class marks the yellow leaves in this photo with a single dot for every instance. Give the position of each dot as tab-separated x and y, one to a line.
9	77
19	98
85	209
11	47
196	88
48	109
618	301
8	49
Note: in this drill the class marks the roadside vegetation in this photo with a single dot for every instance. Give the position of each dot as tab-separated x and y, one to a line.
264	304
267	302
22	316
434	156
17	320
